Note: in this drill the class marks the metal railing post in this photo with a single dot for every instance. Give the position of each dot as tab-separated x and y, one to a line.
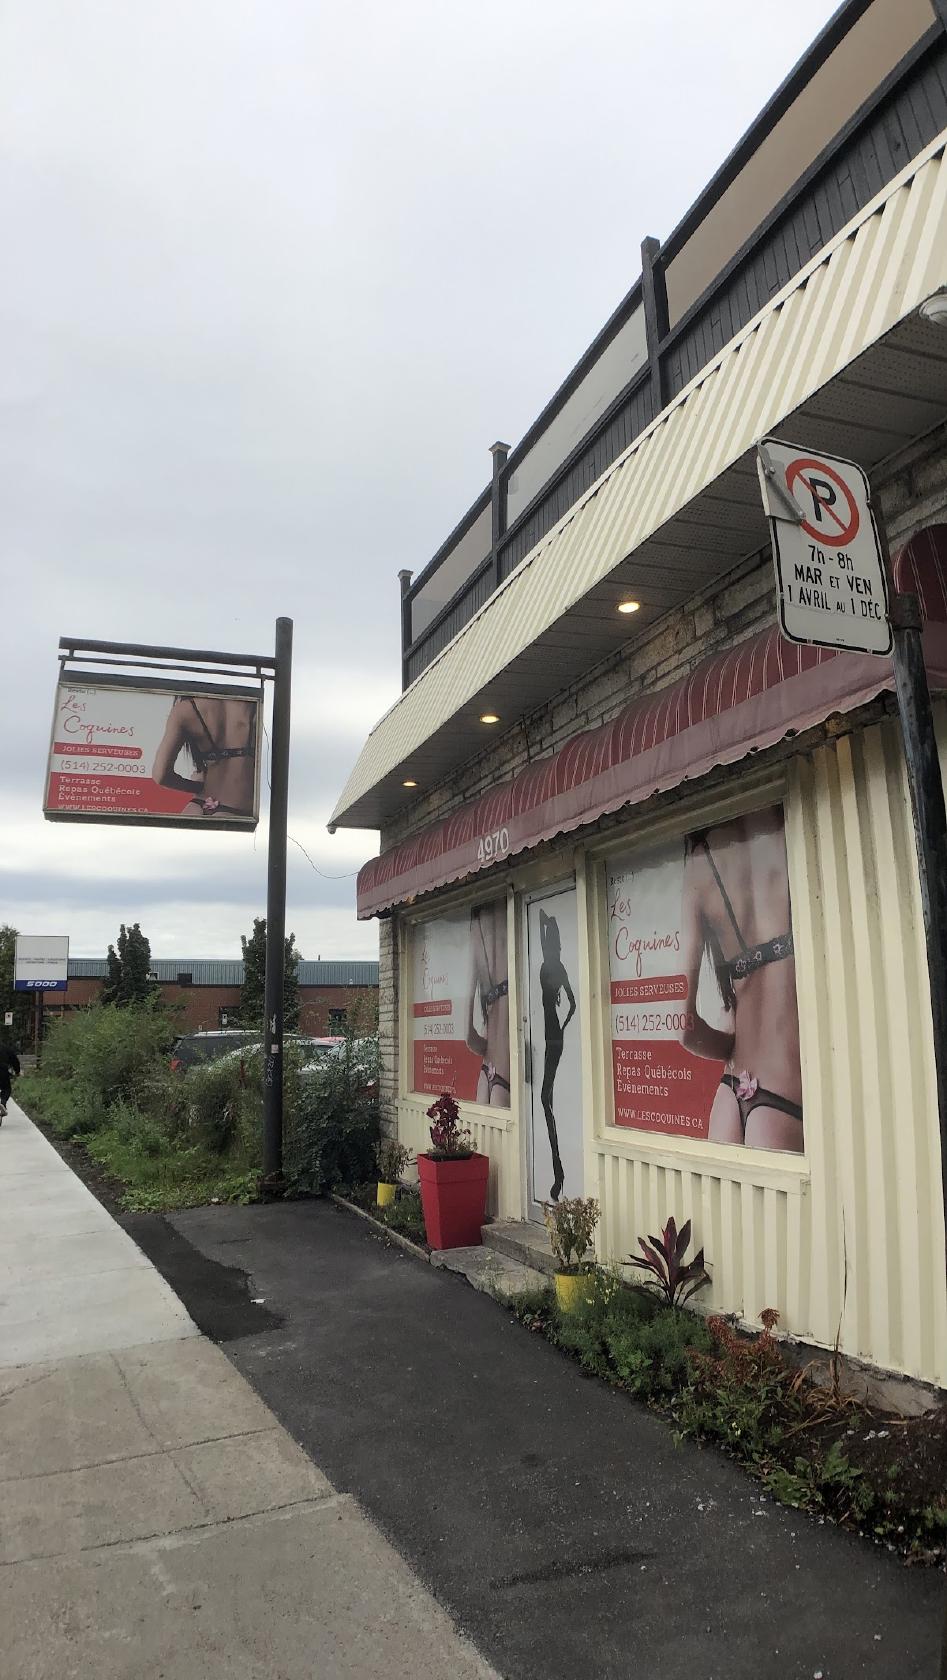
404	578
655	300
500	453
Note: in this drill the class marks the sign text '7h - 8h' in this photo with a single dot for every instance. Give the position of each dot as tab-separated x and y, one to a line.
831	580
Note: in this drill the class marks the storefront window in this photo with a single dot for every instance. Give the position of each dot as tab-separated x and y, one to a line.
460	1016
705	1028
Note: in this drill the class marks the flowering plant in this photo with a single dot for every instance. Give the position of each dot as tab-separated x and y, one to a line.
448	1136
570	1224
391	1158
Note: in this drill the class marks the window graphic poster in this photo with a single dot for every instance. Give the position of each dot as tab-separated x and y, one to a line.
460	1017
705	1028
556	1161
129	753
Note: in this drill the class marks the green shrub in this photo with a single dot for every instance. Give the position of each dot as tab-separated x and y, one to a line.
221	1101
333	1132
651	1355
623	1335
405	1216
175	1140
133	1131
67	1111
741	1393
332	1142
106	1053
533	1307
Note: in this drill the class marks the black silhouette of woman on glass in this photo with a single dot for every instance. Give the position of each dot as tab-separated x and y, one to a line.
553	981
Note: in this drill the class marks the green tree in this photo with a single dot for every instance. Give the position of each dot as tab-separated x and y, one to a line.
128	968
21	1003
254	975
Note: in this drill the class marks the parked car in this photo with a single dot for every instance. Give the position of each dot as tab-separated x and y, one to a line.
194	1049
312	1051
363	1056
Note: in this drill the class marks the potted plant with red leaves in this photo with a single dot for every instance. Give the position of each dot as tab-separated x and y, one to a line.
452	1179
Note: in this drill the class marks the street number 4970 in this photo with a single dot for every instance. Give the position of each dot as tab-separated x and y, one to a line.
493	846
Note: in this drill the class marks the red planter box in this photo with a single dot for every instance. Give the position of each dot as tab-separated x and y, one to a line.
454	1199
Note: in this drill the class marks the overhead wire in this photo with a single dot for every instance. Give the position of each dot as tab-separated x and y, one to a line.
348	874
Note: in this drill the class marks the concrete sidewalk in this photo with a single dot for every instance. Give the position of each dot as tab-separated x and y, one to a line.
155	1519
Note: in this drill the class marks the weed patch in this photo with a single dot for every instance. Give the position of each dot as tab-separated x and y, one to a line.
810	1448
404	1215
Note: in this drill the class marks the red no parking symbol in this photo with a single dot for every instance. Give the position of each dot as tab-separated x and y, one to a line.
834	519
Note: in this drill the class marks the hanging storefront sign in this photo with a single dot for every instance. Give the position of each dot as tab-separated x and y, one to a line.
831	584
460	1017
126	750
705	1030
41	962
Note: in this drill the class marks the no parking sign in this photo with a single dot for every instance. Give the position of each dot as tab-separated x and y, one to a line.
831	584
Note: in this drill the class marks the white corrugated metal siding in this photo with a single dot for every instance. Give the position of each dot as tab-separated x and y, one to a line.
850	1244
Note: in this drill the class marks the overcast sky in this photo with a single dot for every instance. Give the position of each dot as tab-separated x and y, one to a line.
276	274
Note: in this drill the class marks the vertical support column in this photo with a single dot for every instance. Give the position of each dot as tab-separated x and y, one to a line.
276	910
930	825
929	811
654	298
500	453
930	833
404	578
38	1026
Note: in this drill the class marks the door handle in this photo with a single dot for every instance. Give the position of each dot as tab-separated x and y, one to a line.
528	1061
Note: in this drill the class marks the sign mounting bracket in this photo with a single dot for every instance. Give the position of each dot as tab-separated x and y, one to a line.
776	491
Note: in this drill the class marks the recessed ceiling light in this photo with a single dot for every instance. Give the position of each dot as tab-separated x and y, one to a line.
489	717
628	606
935	309
409	783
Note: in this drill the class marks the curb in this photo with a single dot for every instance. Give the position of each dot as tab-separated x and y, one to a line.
386	1231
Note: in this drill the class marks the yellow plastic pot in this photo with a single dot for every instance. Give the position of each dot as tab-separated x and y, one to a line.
386	1194
572	1288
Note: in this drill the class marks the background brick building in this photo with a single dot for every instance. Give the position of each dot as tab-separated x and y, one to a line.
208	991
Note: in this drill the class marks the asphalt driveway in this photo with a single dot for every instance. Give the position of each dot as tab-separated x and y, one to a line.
557	1520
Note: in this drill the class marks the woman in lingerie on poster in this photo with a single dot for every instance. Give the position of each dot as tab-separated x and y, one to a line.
489	992
218	734
553	981
736	913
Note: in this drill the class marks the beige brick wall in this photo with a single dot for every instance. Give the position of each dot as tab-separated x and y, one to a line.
388	1022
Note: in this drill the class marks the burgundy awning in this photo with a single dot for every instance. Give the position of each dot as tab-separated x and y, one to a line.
732	704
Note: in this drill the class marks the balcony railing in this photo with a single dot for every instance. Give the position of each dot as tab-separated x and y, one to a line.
905	113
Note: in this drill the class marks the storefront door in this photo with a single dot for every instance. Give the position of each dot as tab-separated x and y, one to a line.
554	1065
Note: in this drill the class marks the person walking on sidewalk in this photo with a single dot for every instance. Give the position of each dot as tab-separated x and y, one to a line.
9	1065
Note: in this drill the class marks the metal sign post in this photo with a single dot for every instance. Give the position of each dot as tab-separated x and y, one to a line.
276	912
930	835
127	660
38	1027
833	572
